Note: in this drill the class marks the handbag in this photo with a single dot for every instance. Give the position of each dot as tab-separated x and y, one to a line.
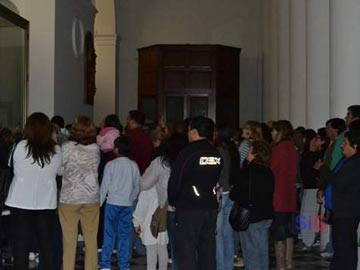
159	220
239	218
6	177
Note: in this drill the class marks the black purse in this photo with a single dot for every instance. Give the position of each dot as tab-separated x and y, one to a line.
239	218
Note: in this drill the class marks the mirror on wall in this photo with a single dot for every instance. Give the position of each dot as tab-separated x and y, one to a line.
13	68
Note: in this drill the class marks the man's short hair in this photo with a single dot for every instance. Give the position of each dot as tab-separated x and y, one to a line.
123	145
338	124
58	120
204	126
355	126
137	116
354	110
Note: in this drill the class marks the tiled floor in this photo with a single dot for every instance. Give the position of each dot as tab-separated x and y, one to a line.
304	260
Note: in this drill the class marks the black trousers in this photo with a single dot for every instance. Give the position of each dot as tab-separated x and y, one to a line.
26	224
195	245
344	232
282	226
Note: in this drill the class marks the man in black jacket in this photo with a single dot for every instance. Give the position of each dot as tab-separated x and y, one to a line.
192	192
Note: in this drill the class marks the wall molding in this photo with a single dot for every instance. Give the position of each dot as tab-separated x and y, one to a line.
106	40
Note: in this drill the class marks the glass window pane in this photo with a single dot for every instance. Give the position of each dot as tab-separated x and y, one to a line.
199	106
12	74
174	108
148	106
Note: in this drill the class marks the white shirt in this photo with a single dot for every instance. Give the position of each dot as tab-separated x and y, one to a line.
33	187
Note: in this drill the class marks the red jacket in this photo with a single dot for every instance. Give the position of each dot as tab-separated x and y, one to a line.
141	148
283	163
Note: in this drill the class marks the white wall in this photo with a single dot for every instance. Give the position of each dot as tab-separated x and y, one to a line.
229	22
69	70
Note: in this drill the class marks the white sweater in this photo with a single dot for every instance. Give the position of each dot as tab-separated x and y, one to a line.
147	204
33	187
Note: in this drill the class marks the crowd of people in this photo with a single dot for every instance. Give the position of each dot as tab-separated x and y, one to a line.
168	194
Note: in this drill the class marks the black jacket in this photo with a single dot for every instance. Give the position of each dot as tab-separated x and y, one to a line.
346	189
194	176
261	190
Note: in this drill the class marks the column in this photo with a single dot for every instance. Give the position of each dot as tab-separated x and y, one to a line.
298	62
284	58
273	59
345	56
318	62
106	41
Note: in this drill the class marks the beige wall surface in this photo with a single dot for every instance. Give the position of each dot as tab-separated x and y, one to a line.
229	22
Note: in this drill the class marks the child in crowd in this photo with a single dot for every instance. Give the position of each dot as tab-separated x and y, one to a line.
112	129
120	186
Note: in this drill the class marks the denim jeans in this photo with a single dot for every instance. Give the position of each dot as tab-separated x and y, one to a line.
224	236
117	226
255	245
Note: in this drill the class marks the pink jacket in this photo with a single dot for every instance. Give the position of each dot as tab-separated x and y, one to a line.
105	140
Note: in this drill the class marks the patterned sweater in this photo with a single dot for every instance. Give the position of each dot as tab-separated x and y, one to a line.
80	173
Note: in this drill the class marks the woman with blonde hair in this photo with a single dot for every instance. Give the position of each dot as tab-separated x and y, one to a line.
251	131
79	196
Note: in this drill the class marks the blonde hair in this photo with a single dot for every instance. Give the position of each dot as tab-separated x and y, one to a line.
83	131
255	130
159	135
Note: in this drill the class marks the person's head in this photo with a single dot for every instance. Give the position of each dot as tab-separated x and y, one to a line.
173	146
322	141
201	127
298	139
6	135
310	140
282	130
135	119
266	132
252	131
223	135
58	120
260	153
351	144
158	137
334	127
83	131
122	146
112	120
353	113
354	125
38	133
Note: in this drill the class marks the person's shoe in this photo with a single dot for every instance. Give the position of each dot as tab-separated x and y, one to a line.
239	262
